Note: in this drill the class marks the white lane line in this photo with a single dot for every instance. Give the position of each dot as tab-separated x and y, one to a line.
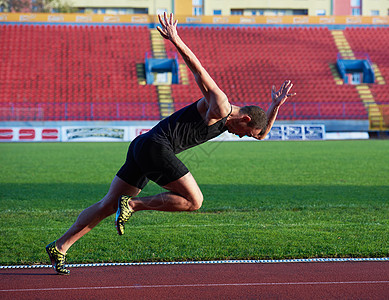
242	261
196	285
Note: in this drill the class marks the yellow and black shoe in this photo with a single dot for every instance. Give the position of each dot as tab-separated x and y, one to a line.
57	259
123	213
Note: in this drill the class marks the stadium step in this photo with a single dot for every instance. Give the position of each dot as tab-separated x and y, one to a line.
375	115
184	79
378	76
140	73
376	118
342	44
335	74
165	99
157	44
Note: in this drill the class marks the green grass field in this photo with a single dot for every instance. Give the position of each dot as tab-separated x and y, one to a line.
263	200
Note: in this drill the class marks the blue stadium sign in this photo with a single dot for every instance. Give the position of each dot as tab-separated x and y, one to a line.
313	132
297	132
276	133
293	132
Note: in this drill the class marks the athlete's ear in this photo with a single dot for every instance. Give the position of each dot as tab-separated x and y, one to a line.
246	118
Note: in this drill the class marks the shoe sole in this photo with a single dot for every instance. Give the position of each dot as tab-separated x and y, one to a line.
116	222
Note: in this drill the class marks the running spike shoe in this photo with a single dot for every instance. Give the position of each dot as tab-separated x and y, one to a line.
57	259
123	213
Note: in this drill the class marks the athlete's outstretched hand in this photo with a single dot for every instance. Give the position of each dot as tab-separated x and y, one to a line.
169	26
282	94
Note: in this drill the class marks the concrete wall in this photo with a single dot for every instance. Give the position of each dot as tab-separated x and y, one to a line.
226	5
185	7
153	6
382	6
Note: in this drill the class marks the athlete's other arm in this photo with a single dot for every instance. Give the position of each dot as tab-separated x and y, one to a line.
218	103
278	98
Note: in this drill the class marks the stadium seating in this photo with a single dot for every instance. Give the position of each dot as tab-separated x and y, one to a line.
88	72
247	61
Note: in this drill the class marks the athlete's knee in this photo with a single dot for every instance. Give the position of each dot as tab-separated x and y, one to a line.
196	201
108	205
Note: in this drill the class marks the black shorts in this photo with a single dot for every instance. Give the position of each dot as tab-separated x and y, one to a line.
148	160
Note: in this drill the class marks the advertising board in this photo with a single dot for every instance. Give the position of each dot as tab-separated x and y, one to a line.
95	134
30	134
128	133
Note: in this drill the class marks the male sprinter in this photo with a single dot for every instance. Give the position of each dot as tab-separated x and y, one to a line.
153	155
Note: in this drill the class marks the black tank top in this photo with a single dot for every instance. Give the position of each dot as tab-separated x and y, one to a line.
185	129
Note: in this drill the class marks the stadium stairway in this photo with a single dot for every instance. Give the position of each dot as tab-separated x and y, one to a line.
140	73
157	44
165	99
184	79
166	105
378	76
364	92
342	44
335	74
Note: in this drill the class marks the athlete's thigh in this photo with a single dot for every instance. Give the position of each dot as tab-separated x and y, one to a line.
118	188
130	172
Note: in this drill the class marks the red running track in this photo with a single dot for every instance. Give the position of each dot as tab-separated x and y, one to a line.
334	280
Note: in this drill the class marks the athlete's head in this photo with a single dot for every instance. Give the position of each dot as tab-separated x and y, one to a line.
249	120
257	115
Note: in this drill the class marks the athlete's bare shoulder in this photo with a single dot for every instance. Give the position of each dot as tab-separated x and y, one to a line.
214	111
202	107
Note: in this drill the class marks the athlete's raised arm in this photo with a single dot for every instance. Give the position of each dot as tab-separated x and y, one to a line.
278	98
214	96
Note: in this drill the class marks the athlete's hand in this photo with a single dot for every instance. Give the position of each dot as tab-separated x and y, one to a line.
282	94
169	26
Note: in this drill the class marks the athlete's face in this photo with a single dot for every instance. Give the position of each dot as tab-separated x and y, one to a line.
241	129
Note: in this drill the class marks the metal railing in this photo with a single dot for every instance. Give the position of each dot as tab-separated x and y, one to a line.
53	111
